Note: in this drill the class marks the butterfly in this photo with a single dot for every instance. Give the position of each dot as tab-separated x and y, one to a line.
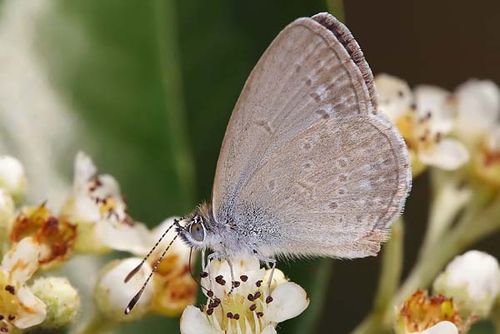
308	166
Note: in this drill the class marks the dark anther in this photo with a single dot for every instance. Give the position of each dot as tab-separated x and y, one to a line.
256	295
258	283
210	293
4	329
260	314
236	316
219	279
236	284
203	274
253	307
401	93
250	297
244	278
11	317
10	289
217	300
1	317
269	299
210	311
229	315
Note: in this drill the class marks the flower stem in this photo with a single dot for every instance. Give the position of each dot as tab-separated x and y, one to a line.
169	62
392	262
479	220
448	199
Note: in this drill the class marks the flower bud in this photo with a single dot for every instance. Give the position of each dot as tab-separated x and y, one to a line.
12	176
112	294
473	281
61	299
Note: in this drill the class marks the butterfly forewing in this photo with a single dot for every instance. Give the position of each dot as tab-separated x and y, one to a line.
306	159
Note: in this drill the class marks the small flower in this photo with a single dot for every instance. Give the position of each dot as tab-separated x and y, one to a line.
12	176
97	207
477	104
112	294
421	312
19	307
486	157
473	281
61	299
425	120
55	237
175	288
244	305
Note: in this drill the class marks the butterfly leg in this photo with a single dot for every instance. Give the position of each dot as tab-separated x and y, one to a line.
272	263
232	275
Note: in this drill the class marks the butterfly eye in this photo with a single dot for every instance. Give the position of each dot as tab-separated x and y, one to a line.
197	231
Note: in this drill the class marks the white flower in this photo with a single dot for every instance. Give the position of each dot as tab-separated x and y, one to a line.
473	281
97	207
112	294
249	308
425	120
19	306
395	96
443	327
12	176
62	300
477	104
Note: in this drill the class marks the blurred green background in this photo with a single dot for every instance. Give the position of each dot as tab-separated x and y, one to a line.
151	84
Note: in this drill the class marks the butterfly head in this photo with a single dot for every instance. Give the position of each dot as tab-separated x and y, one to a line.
196	230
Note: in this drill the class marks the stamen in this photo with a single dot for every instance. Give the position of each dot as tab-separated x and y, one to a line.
253	307
220	279
244	278
269	299
258	283
257	295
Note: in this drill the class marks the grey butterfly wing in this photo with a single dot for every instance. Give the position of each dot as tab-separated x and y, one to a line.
307	164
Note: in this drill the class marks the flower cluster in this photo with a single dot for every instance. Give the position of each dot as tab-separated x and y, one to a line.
455	136
445	129
93	220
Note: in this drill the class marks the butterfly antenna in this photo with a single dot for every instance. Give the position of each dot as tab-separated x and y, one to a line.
139	266
137	296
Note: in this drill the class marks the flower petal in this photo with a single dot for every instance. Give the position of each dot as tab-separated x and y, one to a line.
448	154
269	330
443	327
289	300
84	171
12	176
124	237
33	311
395	96
21	261
434	100
113	294
478	106
193	321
